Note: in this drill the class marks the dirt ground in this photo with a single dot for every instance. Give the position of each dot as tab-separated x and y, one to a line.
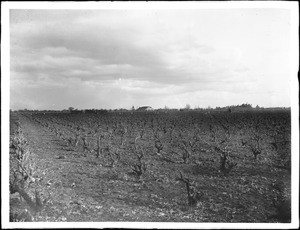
80	188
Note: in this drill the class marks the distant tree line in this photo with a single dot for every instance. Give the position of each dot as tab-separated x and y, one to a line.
231	108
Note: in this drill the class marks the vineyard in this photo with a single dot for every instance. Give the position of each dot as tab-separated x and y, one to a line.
182	166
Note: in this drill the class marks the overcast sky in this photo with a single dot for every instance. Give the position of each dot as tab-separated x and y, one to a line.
122	58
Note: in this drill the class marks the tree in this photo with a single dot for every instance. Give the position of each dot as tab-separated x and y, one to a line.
71	109
188	106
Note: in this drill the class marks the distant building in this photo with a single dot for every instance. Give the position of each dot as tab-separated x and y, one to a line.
144	108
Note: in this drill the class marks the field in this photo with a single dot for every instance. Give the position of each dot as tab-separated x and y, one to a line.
182	166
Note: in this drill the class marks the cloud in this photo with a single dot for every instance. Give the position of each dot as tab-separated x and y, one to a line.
88	56
52	47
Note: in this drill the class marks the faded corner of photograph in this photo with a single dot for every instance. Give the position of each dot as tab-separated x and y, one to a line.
133	115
